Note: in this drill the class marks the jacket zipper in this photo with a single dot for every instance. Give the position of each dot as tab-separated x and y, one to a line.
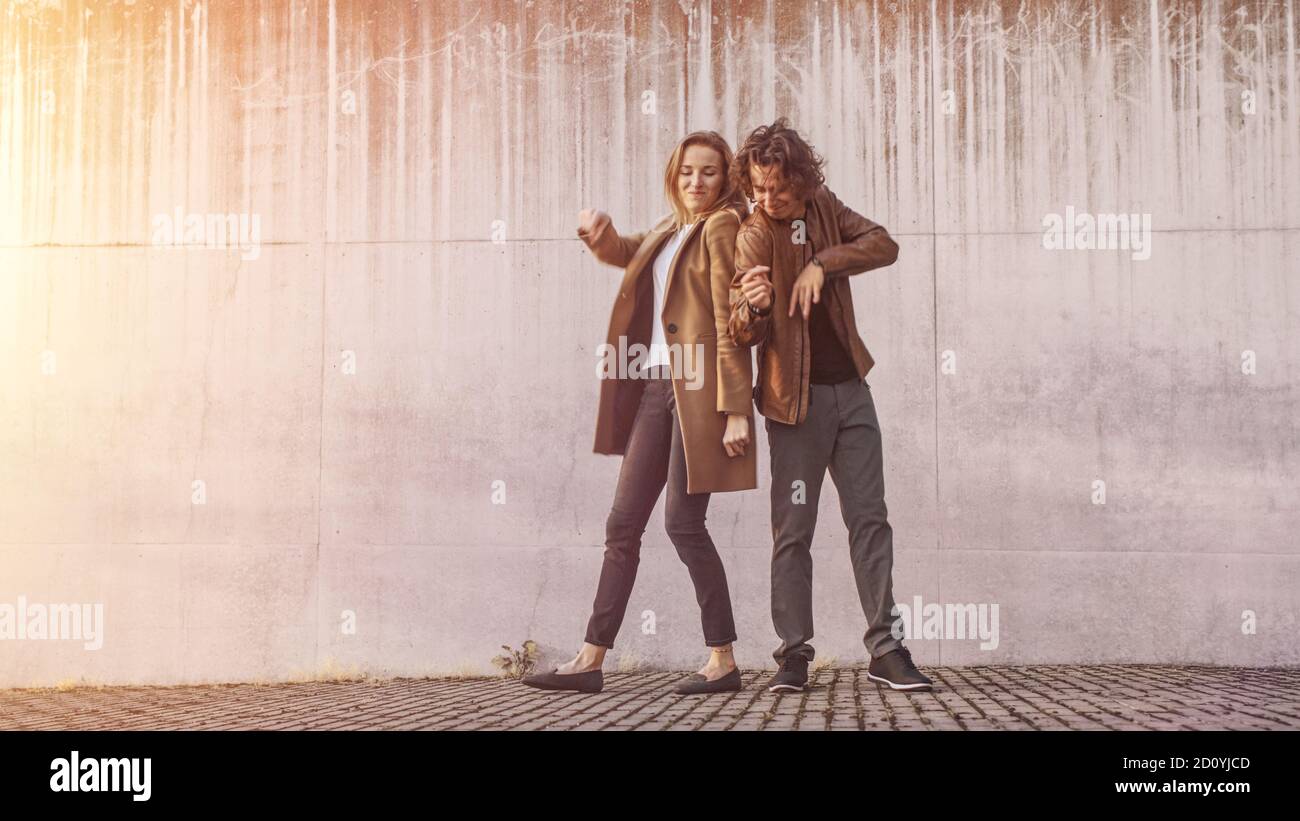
798	397
803	332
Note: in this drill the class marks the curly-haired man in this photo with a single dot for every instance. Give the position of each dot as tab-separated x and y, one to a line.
791	298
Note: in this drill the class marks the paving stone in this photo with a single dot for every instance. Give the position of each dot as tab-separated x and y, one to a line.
1103	697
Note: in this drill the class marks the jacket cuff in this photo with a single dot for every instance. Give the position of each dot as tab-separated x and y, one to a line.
831	268
740	406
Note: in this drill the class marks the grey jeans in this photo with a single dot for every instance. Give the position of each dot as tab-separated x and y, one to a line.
841	433
656	457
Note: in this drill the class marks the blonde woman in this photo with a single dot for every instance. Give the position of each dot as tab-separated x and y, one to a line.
682	415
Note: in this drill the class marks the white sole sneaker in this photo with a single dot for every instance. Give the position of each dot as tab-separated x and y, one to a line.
894	686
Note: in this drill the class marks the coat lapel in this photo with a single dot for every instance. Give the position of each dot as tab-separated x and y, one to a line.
654	240
672	267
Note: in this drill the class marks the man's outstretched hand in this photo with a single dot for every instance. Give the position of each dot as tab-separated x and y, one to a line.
807	289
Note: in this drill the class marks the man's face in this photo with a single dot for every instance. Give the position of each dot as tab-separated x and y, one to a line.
773	192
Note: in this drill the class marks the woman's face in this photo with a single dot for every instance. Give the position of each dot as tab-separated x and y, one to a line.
699	178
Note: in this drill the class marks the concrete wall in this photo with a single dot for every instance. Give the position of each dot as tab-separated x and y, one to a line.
348	388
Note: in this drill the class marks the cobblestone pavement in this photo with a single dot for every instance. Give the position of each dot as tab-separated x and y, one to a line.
1104	697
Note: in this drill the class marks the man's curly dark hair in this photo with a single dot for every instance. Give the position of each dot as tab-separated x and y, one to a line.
780	145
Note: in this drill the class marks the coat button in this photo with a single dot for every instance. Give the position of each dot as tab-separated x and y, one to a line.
672	329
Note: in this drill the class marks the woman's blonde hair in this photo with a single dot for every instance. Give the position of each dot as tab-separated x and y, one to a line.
729	197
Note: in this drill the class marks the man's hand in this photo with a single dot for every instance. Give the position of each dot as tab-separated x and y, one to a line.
736	437
757	288
589	218
807	289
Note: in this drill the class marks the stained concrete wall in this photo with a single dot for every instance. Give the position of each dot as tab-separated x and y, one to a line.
417	322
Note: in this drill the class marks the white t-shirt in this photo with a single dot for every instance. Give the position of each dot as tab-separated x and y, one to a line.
658	341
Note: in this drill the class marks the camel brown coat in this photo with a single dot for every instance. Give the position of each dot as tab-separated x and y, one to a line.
715	376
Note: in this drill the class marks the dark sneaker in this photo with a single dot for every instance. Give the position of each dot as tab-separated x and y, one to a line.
792	677
896	669
590	682
697	683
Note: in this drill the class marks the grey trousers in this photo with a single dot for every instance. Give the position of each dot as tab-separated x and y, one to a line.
656	457
841	433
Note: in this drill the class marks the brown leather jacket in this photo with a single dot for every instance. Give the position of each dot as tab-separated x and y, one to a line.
846	243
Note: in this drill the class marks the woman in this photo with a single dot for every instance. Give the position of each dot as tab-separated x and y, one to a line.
681	415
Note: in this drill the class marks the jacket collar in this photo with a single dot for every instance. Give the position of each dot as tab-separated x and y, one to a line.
650	244
654	240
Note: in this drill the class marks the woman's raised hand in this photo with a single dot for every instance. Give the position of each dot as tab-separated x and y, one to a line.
589	219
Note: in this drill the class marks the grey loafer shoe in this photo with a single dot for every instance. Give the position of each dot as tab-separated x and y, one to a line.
589	682
696	683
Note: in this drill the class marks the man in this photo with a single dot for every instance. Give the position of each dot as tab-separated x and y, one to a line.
812	390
